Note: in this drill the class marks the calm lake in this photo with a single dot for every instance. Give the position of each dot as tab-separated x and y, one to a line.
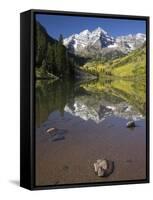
90	122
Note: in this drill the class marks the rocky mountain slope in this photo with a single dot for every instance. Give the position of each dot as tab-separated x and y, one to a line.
99	43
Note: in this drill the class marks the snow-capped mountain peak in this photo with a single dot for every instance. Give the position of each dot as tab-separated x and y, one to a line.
99	30
85	32
99	41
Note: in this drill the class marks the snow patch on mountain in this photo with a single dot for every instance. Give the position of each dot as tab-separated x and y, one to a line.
98	41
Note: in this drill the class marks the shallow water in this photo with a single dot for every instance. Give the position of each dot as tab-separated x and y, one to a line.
90	123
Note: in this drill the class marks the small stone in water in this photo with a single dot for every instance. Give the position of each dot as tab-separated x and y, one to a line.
130	124
103	167
50	130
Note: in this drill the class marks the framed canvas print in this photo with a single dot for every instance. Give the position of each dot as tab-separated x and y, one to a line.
84	99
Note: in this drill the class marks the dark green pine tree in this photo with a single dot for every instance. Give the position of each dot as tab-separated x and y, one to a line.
61	57
41	43
50	58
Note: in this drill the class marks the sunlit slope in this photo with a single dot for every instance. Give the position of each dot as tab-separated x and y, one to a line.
132	65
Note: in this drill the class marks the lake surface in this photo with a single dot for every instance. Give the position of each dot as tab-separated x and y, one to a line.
90	122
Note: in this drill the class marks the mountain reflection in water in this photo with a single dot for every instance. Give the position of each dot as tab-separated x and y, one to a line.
94	100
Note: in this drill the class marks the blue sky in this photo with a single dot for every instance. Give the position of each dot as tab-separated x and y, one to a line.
67	25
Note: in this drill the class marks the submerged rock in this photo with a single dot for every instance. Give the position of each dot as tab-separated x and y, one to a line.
103	167
130	124
56	134
51	130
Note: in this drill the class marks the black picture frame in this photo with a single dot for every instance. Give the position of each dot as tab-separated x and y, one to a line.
27	98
